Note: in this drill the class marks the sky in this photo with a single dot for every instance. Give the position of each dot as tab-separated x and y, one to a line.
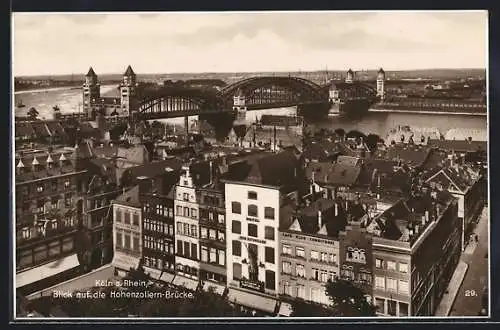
63	43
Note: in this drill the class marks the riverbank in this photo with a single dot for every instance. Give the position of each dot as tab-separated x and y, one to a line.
49	89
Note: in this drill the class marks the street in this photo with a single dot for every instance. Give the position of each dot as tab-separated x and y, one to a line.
468	300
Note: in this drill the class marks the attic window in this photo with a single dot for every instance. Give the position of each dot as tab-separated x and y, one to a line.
252	195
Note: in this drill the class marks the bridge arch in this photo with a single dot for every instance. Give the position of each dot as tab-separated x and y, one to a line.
278	90
170	102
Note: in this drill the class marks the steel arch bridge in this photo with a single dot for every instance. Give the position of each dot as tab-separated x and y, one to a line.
259	92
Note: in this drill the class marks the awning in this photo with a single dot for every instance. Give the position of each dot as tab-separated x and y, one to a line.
217	288
167	277
251	300
154	273
188	283
44	271
125	262
285	309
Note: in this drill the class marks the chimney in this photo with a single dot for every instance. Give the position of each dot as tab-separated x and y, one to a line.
423	220
336	209
426	216
416	229
320	220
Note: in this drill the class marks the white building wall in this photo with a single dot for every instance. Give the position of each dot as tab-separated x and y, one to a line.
266	197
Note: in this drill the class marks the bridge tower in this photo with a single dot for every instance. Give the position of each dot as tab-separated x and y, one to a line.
239	106
91	92
333	93
128	92
350	76
381	84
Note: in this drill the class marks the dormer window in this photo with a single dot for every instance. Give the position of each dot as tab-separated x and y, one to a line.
50	162
35	164
63	160
20	166
39	188
67	184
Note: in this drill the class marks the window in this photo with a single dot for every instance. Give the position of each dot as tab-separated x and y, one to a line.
119	240
315	295
179	248
252	230
392	284
237	248
391	307
391	265
213	255
301	291
118	216
286	249
379	263
287	267
179	227
236	227
221	236
287	288
380	304
403	309
178	210
193	213
203	232
39	188
126	218
26	233
403	287
66	184
270	280
204	254
324	276
269	233
136	247
270	254
315	274
253	211
221	218
186	212
236	270
314	255
186	249
222	258
194	231
212	234
379	282
252	195
185	229
236	207
127	242
300	271
185	196
135	219
403	267
300	252
210	216
269	213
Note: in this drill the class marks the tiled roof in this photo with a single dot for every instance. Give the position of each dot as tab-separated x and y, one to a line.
135	154
333	173
321	150
413	155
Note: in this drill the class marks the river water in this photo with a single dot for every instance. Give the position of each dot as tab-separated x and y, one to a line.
69	100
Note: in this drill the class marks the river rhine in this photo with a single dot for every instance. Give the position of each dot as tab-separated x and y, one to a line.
69	100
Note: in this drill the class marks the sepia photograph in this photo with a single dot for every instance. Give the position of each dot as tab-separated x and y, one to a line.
250	165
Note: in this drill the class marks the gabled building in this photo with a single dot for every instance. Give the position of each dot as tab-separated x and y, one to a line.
309	249
127	231
416	248
467	185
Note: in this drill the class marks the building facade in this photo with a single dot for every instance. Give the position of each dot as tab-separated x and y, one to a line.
48	203
252	229
127	231
186	209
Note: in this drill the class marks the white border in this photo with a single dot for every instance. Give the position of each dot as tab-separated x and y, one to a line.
274	320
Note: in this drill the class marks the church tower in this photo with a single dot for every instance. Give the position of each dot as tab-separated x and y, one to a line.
91	92
128	91
380	84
